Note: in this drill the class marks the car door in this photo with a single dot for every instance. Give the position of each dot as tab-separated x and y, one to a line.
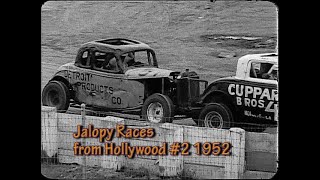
258	97
258	101
109	88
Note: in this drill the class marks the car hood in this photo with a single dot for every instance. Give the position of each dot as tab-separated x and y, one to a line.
142	73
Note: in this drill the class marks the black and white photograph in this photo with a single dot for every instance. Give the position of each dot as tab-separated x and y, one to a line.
159	89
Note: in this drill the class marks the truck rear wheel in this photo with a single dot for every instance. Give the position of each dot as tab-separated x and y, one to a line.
216	115
56	94
158	108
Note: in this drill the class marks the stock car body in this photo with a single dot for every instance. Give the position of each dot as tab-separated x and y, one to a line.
249	97
104	76
122	75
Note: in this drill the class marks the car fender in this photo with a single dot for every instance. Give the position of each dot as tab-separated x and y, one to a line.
215	93
60	76
63	77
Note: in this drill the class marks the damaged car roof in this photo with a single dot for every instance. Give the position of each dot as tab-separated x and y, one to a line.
117	44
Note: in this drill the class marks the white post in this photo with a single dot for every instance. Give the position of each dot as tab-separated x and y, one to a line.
234	167
49	131
171	165
83	143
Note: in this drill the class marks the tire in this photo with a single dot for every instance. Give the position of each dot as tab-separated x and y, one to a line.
56	94
158	108
216	115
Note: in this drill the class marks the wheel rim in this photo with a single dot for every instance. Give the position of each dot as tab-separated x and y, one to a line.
155	112
213	120
53	98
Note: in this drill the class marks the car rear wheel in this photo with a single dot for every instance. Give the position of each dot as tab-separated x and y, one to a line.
158	108
216	115
56	94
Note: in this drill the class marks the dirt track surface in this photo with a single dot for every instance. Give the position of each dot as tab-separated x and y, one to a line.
184	34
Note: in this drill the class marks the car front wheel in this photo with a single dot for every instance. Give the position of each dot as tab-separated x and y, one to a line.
56	94
158	108
216	115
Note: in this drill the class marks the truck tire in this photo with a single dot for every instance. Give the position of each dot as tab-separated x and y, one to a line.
56	94
158	108
216	115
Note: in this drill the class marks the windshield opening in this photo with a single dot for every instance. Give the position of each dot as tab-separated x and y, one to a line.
140	58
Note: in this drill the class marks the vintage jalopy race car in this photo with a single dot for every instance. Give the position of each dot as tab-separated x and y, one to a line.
249	97
122	75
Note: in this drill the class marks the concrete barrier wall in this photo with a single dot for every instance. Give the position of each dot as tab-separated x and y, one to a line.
49	135
244	161
67	125
261	155
215	166
261	152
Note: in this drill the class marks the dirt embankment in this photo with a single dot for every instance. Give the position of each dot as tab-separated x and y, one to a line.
184	34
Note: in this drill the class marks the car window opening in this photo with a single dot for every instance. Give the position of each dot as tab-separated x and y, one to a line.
85	59
264	71
105	62
137	59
